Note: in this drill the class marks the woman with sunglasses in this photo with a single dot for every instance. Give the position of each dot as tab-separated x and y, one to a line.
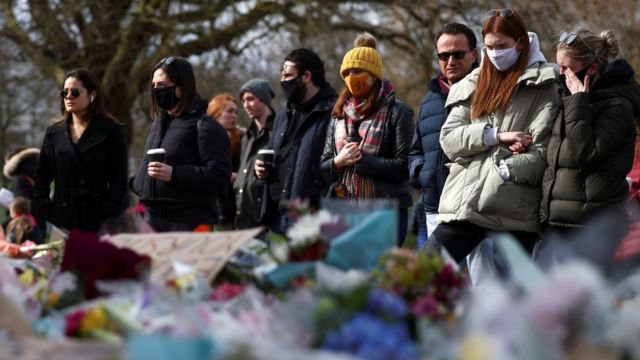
592	145
85	155
180	192
496	136
367	148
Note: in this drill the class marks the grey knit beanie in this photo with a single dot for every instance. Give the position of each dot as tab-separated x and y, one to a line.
260	88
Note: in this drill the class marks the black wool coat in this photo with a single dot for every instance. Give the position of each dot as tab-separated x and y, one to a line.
90	177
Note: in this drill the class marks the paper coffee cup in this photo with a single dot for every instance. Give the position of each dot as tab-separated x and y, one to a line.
266	156
156	155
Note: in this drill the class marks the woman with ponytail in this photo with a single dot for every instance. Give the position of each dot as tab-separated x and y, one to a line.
367	147
496	136
592	146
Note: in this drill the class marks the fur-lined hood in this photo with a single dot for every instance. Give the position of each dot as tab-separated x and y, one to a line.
23	162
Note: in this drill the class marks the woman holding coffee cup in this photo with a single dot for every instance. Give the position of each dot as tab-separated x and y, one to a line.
85	155
367	147
180	192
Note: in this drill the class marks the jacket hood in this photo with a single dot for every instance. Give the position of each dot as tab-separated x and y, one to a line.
325	97
536	74
326	92
618	81
535	55
23	162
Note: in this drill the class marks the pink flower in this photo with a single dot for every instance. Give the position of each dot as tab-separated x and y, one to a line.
92	260
226	291
72	323
427	306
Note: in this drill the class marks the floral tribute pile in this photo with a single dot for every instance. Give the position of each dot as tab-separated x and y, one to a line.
404	305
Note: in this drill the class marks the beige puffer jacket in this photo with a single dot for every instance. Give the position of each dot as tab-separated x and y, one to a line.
474	190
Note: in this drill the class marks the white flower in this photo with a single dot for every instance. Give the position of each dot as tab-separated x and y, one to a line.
306	230
337	280
64	281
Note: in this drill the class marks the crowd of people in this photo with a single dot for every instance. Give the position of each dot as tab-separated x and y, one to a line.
504	141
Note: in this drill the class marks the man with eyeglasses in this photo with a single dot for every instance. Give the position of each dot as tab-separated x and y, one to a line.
457	56
297	139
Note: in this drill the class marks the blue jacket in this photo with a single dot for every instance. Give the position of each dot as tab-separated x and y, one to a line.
427	170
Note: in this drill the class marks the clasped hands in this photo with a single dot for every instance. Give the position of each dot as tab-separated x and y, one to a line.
349	155
518	141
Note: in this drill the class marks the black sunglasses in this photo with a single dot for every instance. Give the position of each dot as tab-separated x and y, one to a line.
166	61
567	39
505	13
74	93
458	54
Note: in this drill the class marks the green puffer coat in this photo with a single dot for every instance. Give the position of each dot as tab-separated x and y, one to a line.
474	190
591	149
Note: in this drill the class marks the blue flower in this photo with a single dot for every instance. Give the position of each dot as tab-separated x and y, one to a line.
370	337
387	304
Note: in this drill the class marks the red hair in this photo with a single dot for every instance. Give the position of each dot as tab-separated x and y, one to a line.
215	109
494	88
218	103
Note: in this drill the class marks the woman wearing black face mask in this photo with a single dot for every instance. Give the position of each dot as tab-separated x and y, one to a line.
179	190
592	145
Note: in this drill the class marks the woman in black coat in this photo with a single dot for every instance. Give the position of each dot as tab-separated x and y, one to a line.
180	192
85	155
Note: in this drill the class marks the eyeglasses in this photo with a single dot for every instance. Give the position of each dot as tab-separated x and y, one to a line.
166	61
505	13
74	92
458	55
568	38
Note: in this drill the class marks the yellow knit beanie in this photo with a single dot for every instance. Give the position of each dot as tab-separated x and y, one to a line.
363	56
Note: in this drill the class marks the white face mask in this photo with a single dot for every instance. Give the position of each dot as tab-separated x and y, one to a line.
503	59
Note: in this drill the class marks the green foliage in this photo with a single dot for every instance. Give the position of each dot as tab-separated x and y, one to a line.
334	308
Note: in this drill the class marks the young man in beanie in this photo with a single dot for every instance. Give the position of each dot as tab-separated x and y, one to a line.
457	56
298	138
256	95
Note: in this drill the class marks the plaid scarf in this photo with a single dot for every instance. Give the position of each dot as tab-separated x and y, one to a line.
371	129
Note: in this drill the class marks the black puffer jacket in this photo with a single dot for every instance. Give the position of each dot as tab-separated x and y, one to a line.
199	155
591	149
389	169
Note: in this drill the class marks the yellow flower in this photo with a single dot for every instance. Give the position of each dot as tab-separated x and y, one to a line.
94	319
52	299
26	278
475	347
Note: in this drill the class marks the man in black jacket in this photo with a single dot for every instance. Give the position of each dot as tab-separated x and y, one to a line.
256	95
297	138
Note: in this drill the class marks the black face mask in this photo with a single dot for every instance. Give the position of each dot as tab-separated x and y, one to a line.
293	90
165	97
580	75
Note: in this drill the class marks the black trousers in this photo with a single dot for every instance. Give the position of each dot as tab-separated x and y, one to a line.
182	219
461	237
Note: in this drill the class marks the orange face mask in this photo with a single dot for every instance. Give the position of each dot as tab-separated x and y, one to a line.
359	84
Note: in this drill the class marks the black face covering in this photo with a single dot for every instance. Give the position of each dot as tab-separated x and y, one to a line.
293	90
580	75
165	97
